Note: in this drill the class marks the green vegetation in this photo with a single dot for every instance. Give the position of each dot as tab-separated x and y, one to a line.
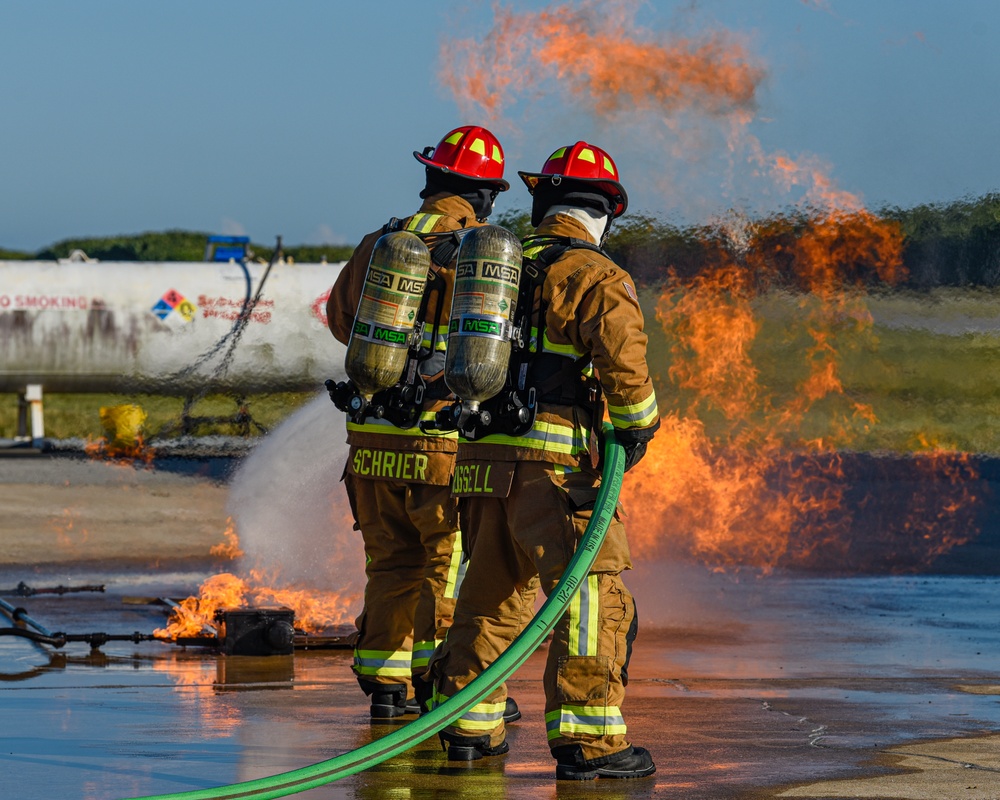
14	255
171	246
77	416
928	368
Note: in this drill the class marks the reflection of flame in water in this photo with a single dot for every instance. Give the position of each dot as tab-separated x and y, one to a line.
741	473
196	680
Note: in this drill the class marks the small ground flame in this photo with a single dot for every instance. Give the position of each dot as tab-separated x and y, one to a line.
315	610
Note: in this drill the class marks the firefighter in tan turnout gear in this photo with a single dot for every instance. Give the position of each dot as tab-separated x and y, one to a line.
397	477
527	491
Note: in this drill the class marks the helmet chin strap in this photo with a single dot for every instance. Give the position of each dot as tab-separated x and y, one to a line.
597	224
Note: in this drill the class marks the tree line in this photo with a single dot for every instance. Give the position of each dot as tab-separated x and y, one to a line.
948	244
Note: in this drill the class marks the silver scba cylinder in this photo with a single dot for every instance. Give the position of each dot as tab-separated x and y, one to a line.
387	313
487	276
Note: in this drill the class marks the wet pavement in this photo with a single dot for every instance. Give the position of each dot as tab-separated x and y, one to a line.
741	685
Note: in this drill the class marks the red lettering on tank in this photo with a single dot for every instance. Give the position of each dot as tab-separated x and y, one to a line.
4	301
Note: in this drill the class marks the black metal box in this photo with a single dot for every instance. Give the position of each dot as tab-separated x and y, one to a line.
256	631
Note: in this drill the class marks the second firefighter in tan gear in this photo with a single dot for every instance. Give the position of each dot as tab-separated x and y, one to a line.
397	478
526	499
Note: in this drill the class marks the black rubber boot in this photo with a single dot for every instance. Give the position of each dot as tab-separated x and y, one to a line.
470	748
388	699
636	762
511	712
423	692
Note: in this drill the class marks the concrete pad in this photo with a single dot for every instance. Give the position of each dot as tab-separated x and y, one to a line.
784	685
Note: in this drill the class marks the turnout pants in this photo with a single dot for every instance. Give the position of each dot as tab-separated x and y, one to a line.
533	532
414	565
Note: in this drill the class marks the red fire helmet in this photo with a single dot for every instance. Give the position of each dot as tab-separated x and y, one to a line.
582	162
469	151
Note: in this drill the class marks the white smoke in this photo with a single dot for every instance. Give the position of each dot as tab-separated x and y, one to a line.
290	508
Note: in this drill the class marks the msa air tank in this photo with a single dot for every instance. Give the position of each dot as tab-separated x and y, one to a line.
387	313
487	276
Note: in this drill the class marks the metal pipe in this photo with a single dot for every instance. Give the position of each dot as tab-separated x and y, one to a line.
21	615
23	590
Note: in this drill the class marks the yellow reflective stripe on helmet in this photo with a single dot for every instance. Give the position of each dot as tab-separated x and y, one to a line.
382	662
586	154
570	721
634	415
549	436
422	223
422	652
455	138
481	718
584	619
372	425
456	569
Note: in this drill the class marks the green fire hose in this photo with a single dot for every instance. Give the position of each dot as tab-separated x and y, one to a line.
324	772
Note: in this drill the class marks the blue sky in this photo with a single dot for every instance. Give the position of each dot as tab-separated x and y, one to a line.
299	119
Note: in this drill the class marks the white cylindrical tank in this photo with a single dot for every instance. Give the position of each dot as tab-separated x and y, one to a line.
165	328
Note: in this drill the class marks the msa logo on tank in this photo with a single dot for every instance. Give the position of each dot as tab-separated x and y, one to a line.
378	333
174	308
489	271
479	326
405	284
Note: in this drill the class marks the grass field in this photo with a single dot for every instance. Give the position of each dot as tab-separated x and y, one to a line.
928	368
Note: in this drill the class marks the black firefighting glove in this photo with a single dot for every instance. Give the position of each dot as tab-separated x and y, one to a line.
634	440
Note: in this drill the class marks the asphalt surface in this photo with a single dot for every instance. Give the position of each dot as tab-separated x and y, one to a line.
790	684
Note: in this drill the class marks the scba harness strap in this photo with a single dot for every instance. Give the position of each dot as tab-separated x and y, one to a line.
402	404
532	375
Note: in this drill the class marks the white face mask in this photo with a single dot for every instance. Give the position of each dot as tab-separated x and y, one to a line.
594	221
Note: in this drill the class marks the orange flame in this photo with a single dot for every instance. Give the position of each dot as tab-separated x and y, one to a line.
595	52
230	548
195	616
767	487
121	453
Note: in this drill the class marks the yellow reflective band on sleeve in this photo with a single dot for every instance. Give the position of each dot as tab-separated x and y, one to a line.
422	652
372	425
456	569
548	346
544	436
570	721
636	415
382	663
422	223
584	619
